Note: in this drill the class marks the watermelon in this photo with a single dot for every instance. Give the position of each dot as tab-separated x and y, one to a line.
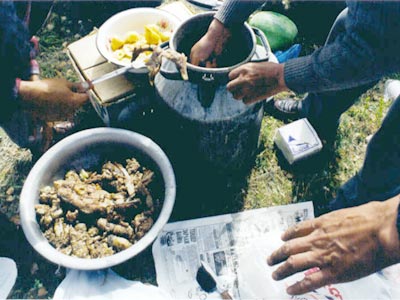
279	29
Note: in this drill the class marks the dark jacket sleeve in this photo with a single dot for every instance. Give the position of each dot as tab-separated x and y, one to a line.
14	56
234	12
365	51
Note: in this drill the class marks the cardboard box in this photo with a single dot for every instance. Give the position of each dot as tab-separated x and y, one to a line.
297	140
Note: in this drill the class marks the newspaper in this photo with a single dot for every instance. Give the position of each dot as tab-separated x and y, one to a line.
181	246
236	247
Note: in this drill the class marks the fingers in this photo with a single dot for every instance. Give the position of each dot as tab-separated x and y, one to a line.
211	63
235	89
249	94
235	73
194	59
294	264
81	87
79	99
310	282
289	248
79	96
299	230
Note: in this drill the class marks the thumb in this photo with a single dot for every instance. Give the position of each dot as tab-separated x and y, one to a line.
194	59
234	73
80	87
78	99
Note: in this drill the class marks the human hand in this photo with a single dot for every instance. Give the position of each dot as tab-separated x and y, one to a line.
256	81
52	99
345	245
206	51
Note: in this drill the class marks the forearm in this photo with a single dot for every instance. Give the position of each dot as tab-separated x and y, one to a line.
338	66
389	235
364	49
234	12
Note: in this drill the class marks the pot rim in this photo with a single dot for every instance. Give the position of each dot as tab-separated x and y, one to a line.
213	70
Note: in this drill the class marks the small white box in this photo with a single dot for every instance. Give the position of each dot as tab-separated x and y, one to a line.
297	140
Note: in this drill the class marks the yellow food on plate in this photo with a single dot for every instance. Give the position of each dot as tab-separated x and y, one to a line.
132	37
151	36
164	36
116	43
154	34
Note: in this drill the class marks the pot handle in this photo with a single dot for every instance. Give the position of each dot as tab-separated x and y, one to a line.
169	69
264	42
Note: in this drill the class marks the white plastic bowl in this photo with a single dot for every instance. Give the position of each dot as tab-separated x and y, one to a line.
87	149
130	20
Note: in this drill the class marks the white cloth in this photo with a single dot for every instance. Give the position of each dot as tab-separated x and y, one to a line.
105	284
8	275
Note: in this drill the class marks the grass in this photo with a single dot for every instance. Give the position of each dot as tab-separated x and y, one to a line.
271	181
274	183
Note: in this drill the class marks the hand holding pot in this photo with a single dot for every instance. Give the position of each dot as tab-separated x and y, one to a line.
343	246
206	51
257	81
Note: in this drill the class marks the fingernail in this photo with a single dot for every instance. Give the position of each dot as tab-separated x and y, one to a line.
269	262
275	276
289	290
85	85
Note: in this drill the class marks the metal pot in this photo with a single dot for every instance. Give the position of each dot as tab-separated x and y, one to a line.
239	50
87	149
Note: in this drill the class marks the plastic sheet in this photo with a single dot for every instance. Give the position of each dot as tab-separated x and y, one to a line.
292	52
391	90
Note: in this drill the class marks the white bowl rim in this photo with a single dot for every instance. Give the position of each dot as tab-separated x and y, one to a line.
100	37
86	137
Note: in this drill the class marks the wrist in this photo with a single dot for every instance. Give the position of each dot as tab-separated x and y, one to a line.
398	215
28	91
218	31
389	233
281	77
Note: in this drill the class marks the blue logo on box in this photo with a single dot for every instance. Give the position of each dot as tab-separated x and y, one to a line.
297	147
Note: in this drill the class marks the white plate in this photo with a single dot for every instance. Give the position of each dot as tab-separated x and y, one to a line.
130	20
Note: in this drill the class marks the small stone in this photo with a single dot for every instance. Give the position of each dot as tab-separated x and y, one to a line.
42	292
10	191
16	220
10	198
50	26
34	268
